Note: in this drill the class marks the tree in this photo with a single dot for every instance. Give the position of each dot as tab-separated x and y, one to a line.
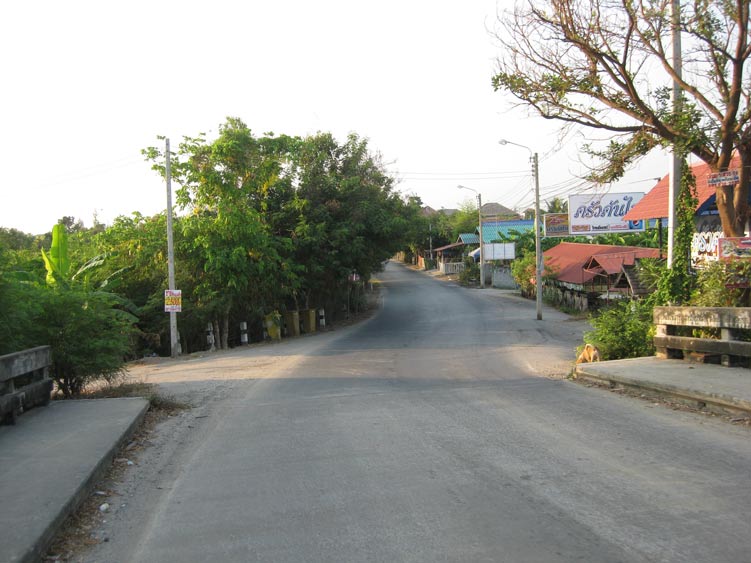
88	330
556	205
465	219
606	65
226	185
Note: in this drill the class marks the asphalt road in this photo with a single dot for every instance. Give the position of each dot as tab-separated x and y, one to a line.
429	433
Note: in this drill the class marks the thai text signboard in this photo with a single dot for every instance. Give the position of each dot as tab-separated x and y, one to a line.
594	214
734	248
726	178
555	225
173	300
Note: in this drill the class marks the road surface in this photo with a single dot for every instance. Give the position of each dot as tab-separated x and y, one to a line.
431	432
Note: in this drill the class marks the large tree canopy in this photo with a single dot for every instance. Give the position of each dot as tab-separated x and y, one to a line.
607	65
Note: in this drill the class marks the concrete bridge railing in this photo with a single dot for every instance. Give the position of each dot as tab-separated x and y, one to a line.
727	322
24	381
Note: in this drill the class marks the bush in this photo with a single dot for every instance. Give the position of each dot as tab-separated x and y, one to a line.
523	271
722	284
623	330
471	272
90	337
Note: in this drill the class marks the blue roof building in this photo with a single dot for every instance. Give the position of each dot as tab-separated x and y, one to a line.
492	230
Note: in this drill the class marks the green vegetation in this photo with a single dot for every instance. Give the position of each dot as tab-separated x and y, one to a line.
623	330
263	223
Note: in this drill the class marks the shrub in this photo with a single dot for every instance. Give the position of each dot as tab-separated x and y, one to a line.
89	335
722	284
623	330
523	271
471	272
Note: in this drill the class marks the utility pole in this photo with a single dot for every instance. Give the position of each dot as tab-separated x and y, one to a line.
482	250
538	250
676	160
174	340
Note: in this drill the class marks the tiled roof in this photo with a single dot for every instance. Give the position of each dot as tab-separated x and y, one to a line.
571	260
654	205
491	229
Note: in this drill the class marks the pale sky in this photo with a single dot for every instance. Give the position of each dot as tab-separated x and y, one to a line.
87	85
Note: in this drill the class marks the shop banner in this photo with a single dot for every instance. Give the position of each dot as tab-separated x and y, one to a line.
594	214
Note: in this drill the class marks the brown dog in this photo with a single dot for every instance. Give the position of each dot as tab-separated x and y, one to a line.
589	354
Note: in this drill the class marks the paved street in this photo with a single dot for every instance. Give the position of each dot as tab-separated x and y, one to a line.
431	432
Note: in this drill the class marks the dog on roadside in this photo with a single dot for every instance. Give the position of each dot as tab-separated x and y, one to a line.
589	354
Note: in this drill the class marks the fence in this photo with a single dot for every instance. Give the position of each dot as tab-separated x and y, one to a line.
451	267
24	381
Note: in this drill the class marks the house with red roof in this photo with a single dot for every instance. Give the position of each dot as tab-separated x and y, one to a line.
584	272
654	205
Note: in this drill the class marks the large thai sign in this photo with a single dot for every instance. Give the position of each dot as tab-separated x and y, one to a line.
704	243
594	214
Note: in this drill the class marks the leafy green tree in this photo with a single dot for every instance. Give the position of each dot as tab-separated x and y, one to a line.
226	186
136	269
350	221
606	65
556	205
465	220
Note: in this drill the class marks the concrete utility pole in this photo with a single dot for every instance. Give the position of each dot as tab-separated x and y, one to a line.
174	340
676	160
482	250
538	250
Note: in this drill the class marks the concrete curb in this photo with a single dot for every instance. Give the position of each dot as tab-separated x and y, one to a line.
40	523
701	398
87	485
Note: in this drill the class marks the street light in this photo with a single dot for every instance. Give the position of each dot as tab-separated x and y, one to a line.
482	250
538	252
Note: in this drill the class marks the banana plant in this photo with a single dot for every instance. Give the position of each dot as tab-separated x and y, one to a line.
57	262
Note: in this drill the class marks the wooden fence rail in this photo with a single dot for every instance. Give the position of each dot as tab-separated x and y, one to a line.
24	381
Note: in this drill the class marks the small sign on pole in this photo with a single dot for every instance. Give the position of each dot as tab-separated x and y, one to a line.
727	178
173	300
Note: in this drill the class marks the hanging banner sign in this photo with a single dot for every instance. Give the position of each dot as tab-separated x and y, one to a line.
173	300
594	214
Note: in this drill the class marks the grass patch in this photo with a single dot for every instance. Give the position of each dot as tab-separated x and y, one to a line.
148	391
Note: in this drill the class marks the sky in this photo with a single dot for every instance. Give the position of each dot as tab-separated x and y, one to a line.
87	85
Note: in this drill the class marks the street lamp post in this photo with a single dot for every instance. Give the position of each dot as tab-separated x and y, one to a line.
538	251
482	250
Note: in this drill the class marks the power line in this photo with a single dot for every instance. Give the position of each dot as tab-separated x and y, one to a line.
83	173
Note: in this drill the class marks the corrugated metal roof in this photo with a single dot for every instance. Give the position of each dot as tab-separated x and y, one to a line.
491	229
454	245
469	238
571	259
654	205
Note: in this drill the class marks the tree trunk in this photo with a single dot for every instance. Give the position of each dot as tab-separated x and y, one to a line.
732	201
225	331
217	335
